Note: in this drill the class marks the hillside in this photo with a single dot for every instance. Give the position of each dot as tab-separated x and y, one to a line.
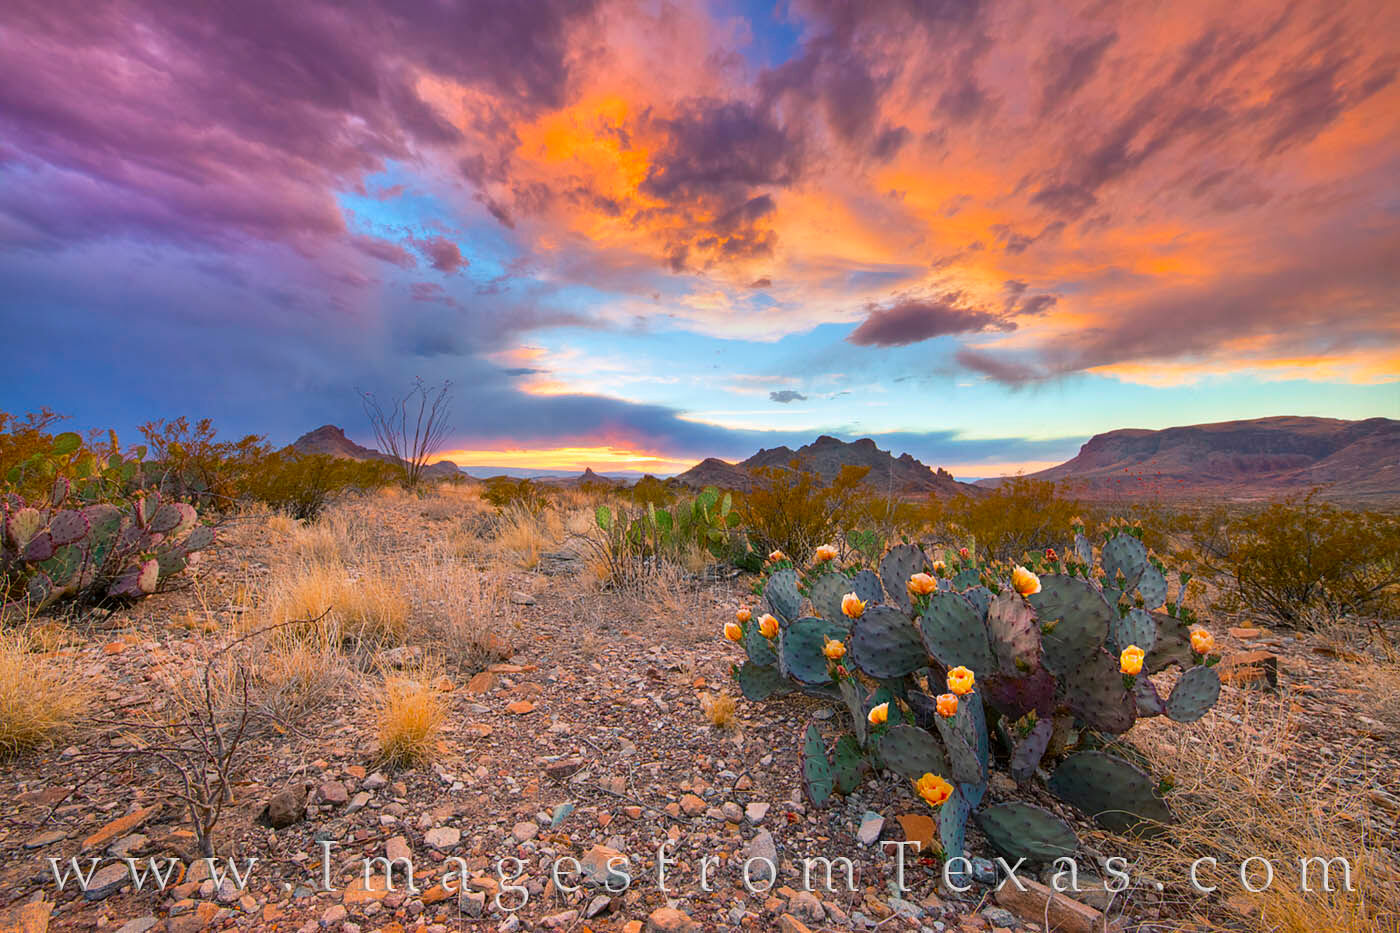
904	475
329	439
1255	459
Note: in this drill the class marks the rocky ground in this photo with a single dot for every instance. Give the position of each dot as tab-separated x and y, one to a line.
588	744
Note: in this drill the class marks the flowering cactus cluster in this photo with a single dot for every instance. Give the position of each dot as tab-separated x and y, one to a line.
1045	663
63	547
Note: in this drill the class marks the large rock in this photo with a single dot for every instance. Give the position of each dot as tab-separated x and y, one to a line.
670	920
287	807
1037	904
31	917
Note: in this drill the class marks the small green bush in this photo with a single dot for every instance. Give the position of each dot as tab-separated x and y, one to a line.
301	485
791	510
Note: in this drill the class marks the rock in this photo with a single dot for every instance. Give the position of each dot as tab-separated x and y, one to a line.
692	805
871	824
563	769
521	598
139	925
334	915
755	812
1038	903
119	827
286	808
108	880
472	903
402	656
731	811
333	793
999	916
598	905
805	906
787	923
201	917
560	920
762	847
670	920
443	838
397	848
1243	668
919	828
45	839
520	707
359	802
1246	634
375	781
481	682
593	867
29	917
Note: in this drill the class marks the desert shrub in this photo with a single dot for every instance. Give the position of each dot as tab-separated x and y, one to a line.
302	485
24	442
648	491
410	718
1019	515
187	461
506	493
38	702
791	510
1302	555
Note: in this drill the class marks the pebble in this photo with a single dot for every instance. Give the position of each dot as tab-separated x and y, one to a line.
755	812
443	838
871	825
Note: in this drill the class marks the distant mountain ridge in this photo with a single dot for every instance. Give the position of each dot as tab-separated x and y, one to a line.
1258	458
330	439
825	457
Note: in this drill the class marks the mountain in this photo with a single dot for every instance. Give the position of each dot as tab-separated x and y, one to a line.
1263	458
825	456
329	439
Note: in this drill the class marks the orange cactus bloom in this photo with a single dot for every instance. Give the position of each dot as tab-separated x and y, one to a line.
964	553
921	584
961	681
933	789
733	631
833	649
767	626
947	705
852	606
879	715
1025	582
1202	641
743	615
1130	661
826	552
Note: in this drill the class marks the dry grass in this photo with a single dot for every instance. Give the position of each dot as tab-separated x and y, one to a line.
523	536
299	674
372	609
410	717
1236	797
38	700
465	613
281	526
720	709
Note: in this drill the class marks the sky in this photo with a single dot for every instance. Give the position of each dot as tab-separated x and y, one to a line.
637	234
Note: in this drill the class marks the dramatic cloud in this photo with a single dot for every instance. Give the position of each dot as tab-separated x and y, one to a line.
910	320
787	395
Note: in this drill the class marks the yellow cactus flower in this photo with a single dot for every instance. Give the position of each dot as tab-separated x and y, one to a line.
777	556
939	567
961	681
921	584
879	715
833	649
1130	661
852	606
767	626
743	615
1025	582
826	552
933	789
1202	641
733	631
947	705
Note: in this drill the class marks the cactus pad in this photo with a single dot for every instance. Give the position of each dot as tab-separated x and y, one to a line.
954	634
1136	628
1074	620
1117	794
847	764
67	527
1026	758
885	644
1194	694
980	597
758	682
854	696
967	577
866	586
22	525
1016	695
899	564
1083	549
817	779
1125	553
800	647
826	594
762	651
1022	830
1013	633
781	593
1152	586
952	832
1095	693
963	761
912	752
39	548
1173	644
1149	701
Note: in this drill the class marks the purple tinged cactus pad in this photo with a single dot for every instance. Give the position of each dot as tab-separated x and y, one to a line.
800	648
1016	695
39	548
866	586
1026	758
1137	627
953	632
1023	830
817	779
1149	701
23	524
912	752
757	682
1083	549
1194	694
1074	620
1095	693
1012	630
58	494
1117	794
1173	645
899	564
782	596
826	594
68	526
885	644
165	519
200	538
980	597
148	577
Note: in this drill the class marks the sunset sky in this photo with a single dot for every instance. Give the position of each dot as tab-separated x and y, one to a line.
637	234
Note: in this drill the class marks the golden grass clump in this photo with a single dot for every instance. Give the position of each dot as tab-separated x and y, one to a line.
38	701
720	709
373	608
524	535
1236	798
411	715
465	613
